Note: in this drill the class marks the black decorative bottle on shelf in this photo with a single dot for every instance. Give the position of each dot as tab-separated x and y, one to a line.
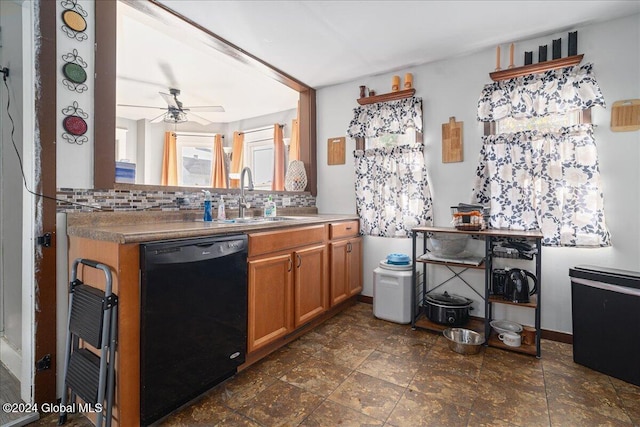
573	43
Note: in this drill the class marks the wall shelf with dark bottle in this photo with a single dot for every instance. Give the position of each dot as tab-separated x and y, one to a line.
543	64
481	325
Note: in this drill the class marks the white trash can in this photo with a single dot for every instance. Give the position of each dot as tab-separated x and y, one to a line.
392	292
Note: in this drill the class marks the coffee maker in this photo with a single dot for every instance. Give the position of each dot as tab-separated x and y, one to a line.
498	282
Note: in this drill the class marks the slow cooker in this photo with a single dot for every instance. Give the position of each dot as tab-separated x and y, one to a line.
447	309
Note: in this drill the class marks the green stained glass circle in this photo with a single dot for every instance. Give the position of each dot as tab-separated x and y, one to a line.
74	72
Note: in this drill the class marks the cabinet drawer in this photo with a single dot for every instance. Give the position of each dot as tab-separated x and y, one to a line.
280	240
339	230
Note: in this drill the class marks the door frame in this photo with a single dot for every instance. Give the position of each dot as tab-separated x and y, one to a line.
43	207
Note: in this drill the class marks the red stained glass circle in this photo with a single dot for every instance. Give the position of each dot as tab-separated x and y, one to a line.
75	125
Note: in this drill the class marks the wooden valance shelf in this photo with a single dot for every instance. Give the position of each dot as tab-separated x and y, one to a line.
391	96
540	67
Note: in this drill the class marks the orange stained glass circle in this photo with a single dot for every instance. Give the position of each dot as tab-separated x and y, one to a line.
74	20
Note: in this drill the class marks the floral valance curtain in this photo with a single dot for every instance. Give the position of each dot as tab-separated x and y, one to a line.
392	191
372	120
533	95
546	181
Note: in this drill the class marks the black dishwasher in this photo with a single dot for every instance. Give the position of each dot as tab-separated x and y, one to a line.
193	319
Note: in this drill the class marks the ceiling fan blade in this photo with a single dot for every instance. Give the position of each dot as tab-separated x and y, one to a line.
142	106
198	119
168	73
170	100
158	119
207	109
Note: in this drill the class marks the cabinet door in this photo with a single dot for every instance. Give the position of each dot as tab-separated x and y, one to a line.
311	285
339	272
270	304
354	265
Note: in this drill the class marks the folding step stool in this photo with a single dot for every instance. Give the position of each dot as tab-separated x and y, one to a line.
93	316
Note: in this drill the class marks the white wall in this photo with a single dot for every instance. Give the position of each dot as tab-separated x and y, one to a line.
452	88
75	162
11	186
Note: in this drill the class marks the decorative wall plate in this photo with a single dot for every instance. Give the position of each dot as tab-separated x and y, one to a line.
73	19
75	124
74	71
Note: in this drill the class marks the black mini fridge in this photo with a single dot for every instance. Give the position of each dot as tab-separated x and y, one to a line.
605	306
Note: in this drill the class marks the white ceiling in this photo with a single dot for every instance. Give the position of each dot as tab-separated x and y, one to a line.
322	43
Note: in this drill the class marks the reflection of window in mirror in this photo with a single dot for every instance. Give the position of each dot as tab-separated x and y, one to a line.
195	159
389	140
121	145
258	146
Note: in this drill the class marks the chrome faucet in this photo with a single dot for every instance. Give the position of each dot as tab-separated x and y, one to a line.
242	204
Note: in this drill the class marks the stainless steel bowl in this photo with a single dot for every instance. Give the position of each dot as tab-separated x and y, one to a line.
463	341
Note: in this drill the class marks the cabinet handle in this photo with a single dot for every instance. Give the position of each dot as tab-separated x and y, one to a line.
299	260
290	264
348	247
348	228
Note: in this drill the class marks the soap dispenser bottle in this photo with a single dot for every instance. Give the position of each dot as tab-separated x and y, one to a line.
221	213
207	206
270	208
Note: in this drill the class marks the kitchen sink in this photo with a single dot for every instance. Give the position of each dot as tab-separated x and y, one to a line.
258	219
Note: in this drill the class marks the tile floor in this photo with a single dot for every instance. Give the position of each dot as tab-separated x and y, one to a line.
356	370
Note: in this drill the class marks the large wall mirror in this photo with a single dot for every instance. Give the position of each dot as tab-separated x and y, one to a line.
164	59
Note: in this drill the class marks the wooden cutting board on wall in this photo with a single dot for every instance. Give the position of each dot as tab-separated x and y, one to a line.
452	141
625	115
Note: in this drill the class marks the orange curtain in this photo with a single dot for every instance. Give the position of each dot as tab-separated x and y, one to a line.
294	147
219	172
236	157
278	159
170	160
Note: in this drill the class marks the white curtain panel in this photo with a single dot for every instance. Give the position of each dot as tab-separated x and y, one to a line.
392	191
546	181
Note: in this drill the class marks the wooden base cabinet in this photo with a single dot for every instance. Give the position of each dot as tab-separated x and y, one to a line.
346	262
311	288
288	284
270	300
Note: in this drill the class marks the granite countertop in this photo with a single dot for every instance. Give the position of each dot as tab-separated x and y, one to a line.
136	227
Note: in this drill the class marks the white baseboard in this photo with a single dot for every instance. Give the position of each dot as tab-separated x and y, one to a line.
11	358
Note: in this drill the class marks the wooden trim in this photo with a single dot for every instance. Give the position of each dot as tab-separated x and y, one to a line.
308	141
45	265
104	105
489	128
220	44
556	336
105	88
545	334
540	67
360	144
391	96
365	299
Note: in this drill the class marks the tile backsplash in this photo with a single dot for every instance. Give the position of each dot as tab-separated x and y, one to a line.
78	200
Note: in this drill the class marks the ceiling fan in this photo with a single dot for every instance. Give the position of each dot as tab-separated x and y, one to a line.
175	112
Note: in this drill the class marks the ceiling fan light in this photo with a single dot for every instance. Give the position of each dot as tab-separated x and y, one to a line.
175	117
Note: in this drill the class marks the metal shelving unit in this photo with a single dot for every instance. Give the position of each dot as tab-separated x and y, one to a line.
490	237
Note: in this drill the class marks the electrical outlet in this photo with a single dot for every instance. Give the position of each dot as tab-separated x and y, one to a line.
286	201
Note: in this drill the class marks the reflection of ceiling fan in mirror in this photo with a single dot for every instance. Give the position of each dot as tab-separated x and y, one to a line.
175	112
